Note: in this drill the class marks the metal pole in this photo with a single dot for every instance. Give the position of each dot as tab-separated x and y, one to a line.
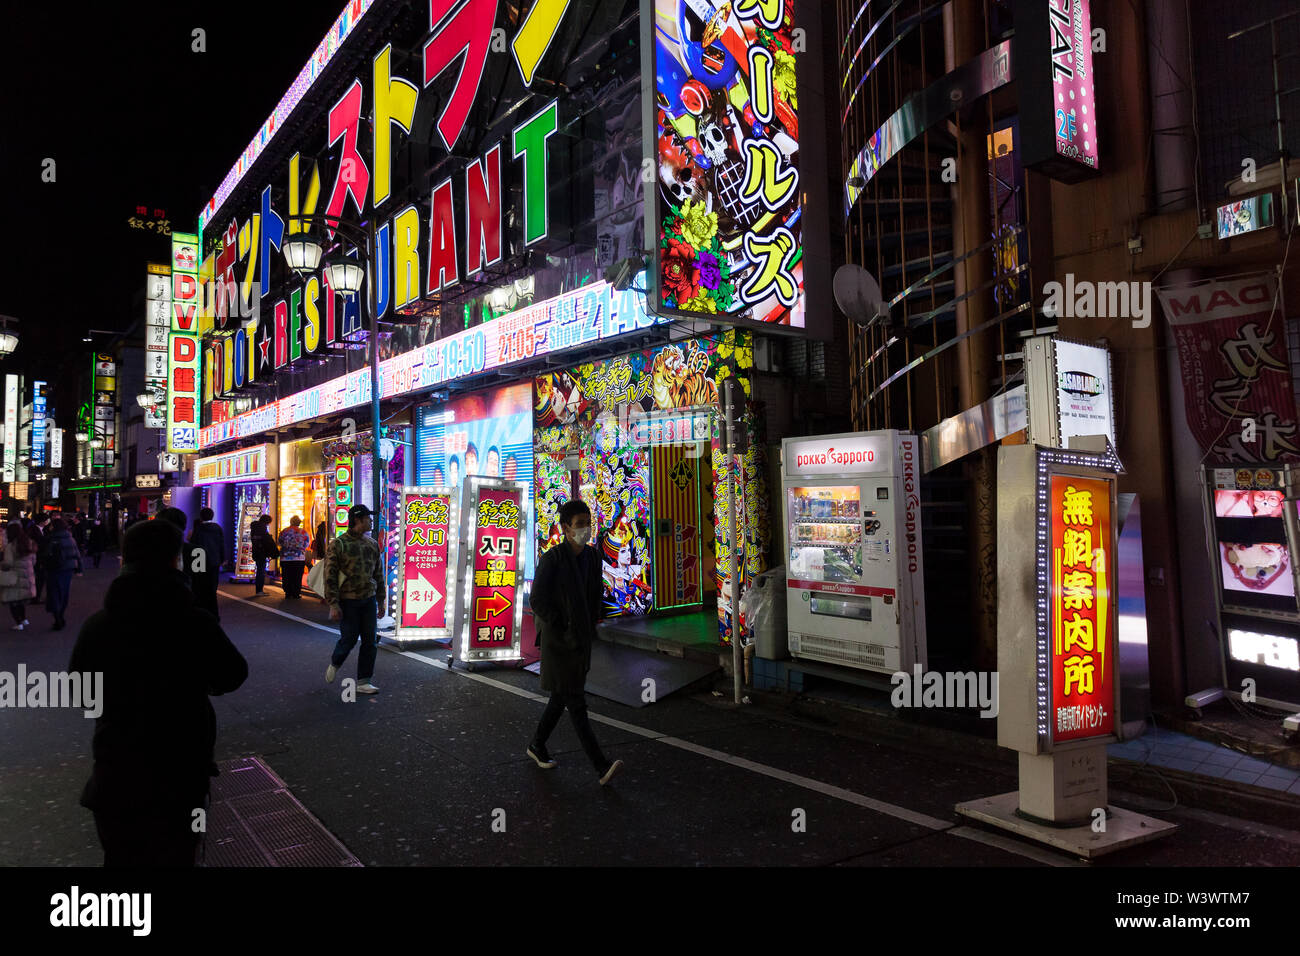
376	461
736	657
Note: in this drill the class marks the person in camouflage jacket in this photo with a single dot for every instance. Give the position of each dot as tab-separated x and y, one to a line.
354	591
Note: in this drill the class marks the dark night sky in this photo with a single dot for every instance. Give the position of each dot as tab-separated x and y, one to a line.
132	116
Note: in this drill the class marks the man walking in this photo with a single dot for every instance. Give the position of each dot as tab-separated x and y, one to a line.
294	543
62	559
354	591
207	536
161	658
264	549
566	604
97	541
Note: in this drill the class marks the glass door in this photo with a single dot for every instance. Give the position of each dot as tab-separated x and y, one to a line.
825	533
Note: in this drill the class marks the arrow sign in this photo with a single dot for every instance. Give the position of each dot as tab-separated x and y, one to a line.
486	608
421	596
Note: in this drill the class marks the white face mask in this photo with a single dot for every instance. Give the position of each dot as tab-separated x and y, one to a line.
580	535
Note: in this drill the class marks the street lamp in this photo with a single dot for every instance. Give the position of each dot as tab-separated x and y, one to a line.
303	253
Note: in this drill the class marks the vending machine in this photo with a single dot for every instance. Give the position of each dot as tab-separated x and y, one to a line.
855	578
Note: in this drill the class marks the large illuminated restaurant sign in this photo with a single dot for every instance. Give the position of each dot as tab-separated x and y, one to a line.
451	235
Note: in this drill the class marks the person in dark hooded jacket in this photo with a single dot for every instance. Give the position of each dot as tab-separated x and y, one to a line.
161	657
62	558
566	604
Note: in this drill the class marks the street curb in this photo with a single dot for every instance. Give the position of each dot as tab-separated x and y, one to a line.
1194	791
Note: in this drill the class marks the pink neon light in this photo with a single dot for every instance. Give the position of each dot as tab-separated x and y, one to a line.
352	13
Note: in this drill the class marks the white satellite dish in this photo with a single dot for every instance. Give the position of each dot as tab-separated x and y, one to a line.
857	293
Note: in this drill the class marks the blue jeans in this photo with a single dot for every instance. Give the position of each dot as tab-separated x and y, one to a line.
359	616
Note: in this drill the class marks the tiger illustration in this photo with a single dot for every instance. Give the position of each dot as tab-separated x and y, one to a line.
681	380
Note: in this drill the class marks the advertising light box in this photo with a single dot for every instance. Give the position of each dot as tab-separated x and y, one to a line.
491	612
726	225
427	562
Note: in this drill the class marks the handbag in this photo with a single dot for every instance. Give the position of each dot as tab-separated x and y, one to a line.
316	577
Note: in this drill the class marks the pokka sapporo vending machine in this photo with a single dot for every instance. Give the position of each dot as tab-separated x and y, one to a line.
1251	511
855	578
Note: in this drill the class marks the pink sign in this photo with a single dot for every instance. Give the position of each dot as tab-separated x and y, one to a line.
497	580
424	561
1073	93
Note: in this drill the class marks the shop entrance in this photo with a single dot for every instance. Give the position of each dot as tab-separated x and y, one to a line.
677	524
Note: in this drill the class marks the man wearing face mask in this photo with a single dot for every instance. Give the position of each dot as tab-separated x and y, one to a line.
566	604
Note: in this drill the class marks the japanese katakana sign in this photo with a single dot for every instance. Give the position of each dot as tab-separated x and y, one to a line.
1082	598
1232	349
426	580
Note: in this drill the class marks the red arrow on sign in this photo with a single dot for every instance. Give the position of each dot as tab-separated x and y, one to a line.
495	605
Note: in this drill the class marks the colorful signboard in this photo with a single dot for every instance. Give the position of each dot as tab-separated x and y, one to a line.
676	522
725	225
344	491
38	424
587	315
1053	65
183	347
252	500
491	614
1232	349
1083	640
247	464
158	318
427	524
11	428
1245	215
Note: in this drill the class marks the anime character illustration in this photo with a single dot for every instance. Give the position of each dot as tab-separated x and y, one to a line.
1266	504
680	381
623	548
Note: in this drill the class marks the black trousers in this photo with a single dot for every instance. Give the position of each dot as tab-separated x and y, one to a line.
204	586
259	580
577	707
158	840
291	577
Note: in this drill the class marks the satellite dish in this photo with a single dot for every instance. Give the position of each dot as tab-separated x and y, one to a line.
857	293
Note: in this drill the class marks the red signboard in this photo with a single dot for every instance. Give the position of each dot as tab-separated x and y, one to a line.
496	568
1083	632
425	538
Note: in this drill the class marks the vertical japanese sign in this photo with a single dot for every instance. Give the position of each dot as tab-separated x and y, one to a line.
1053	65
38	424
1233	355
183	346
426	561
11	428
343	487
158	312
104	413
725	225
1082	604
496	588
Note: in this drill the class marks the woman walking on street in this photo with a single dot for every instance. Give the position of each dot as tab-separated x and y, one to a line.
62	559
18	573
97	541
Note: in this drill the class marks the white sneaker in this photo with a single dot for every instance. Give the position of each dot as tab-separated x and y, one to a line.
367	688
329	674
19	627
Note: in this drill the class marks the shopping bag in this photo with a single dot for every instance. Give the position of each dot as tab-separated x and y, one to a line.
316	577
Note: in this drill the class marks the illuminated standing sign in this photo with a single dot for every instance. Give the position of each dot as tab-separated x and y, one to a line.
725	223
427	524
344	481
1058	96
38	425
183	347
491	613
1083	644
158	320
842	455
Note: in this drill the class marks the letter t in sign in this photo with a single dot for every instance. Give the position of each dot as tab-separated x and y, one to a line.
529	141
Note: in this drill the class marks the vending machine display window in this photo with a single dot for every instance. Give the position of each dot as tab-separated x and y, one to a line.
1251	548
826	533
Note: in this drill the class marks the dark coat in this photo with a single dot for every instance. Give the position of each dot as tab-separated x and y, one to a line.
566	610
161	658
264	546
61	552
98	539
208	536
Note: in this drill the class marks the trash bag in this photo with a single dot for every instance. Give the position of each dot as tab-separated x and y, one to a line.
758	606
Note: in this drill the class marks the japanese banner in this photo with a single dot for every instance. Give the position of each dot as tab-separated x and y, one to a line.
1233	354
425	527
497	583
1082	605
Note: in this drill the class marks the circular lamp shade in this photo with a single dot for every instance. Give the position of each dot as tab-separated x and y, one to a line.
146	400
97	443
344	274
8	342
302	252
83	436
